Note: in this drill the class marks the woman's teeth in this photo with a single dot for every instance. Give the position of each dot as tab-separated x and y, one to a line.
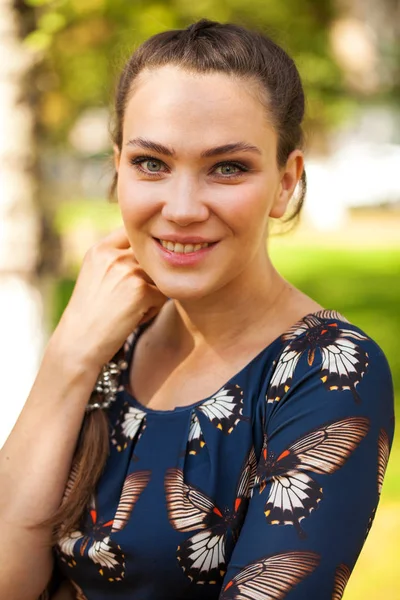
182	248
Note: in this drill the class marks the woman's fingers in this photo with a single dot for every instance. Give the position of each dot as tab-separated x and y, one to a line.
111	295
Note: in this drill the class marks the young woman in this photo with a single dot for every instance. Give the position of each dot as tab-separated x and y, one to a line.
235	446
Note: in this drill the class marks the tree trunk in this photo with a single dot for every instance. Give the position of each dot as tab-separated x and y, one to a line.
20	301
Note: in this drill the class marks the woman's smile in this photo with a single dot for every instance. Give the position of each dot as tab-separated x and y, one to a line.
184	254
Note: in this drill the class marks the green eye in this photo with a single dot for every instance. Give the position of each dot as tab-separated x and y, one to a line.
148	165
153	166
228	169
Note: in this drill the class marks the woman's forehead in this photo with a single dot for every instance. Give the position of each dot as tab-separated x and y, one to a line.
171	102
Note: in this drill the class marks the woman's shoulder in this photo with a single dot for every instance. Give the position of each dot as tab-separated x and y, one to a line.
327	346
328	331
329	375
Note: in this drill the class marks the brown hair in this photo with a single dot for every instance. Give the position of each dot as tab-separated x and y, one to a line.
204	47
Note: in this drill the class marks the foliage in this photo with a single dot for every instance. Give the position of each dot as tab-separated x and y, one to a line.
83	45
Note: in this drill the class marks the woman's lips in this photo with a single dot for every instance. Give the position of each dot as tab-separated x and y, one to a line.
184	259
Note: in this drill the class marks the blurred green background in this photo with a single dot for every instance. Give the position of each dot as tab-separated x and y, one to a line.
62	58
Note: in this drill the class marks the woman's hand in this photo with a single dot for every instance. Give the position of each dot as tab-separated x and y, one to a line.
111	297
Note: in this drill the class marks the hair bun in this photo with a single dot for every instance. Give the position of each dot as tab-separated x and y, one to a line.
199	26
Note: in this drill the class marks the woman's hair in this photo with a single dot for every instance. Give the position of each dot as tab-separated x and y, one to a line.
204	47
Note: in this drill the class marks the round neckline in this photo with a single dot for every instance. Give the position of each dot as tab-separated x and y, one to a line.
188	407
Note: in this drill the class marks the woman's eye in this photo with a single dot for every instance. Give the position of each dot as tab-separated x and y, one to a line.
148	165
152	165
230	169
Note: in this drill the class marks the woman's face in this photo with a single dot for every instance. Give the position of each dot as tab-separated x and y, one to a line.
198	165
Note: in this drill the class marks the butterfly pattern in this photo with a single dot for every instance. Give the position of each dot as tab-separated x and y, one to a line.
344	360
383	459
203	556
195	439
293	492
224	410
96	542
342	576
235	466
129	426
272	577
79	595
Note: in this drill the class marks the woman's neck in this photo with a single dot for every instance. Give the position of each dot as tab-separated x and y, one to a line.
256	306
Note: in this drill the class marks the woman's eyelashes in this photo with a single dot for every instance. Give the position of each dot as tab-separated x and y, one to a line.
154	168
152	165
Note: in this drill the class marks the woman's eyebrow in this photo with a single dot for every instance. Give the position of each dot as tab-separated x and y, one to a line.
230	149
224	149
152	146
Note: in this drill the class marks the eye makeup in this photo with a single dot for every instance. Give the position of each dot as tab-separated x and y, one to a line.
137	163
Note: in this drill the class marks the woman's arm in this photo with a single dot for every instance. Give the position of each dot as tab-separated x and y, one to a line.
34	466
36	459
318	480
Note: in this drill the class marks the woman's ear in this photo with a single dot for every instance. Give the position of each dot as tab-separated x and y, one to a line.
117	157
290	176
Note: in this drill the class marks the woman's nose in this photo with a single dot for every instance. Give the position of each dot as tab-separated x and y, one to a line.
183	203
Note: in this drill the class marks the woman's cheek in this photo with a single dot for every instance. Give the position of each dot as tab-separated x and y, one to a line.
136	200
246	208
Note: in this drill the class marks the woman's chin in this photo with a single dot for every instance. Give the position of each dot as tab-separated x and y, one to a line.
182	293
185	290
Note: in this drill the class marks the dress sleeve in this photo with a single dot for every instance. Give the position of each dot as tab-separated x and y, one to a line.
326	418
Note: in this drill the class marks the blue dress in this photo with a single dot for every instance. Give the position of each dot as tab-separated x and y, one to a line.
265	490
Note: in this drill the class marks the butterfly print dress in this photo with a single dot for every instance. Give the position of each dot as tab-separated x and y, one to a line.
266	490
